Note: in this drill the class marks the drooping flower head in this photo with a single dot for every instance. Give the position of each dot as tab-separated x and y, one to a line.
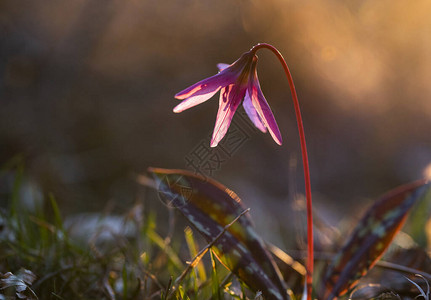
238	83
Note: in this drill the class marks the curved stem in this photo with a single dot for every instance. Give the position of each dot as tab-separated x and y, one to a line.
310	258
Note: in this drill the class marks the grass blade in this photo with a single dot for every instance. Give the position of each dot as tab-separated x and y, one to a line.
214	279
193	252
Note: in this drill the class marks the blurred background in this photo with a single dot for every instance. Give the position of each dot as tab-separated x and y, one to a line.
87	90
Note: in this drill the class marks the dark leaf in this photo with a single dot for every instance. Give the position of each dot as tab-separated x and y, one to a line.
372	291
371	238
19	283
210	206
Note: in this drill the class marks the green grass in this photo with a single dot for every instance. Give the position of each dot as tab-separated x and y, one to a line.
48	258
138	254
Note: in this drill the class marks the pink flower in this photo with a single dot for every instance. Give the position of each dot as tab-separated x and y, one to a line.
238	82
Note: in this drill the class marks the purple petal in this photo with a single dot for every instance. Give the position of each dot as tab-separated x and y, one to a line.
222	66
228	104
263	109
199	92
207	85
193	101
252	113
237	66
203	90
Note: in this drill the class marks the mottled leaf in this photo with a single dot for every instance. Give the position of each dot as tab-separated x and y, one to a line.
20	284
210	206
418	224
371	238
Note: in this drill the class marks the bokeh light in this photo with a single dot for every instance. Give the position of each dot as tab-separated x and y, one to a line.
87	93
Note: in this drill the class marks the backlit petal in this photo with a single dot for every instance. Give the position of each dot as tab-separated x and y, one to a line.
228	104
222	66
207	85
263	109
204	89
194	100
252	113
199	92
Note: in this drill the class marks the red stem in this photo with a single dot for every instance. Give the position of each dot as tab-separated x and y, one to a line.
310	258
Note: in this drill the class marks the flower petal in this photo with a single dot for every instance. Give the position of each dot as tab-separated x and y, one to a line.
205	89
207	85
228	103
222	66
252	113
193	101
263	109
199	92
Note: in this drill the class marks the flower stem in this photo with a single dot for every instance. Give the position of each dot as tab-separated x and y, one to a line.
310	258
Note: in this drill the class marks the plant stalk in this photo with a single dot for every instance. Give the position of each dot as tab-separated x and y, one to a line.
310	256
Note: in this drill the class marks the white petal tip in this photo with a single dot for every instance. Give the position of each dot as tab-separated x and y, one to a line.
177	109
213	143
